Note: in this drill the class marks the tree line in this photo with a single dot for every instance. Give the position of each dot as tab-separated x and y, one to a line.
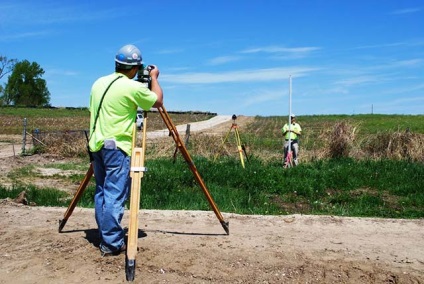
24	85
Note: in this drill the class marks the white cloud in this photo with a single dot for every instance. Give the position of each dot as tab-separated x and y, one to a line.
381	45
359	80
170	51
407	63
256	75
413	43
406	11
400	105
263	96
407	89
30	13
24	35
58	72
283	52
277	49
223	59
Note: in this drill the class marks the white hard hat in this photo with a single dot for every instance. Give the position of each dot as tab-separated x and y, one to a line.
128	56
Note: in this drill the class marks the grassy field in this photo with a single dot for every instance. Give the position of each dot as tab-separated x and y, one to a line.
62	119
378	172
368	123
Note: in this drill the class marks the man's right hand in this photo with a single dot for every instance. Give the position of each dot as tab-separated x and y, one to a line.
154	71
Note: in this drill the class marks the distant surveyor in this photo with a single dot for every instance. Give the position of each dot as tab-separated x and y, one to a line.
291	135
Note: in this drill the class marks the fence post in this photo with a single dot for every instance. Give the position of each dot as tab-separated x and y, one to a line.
24	137
187	134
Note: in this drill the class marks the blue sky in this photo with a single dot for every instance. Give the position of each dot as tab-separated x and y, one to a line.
232	57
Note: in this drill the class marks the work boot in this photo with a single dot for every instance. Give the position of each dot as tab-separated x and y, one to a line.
123	249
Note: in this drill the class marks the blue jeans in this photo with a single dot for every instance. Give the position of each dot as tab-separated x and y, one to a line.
111	171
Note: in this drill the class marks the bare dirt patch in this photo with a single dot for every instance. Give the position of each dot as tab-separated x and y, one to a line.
192	247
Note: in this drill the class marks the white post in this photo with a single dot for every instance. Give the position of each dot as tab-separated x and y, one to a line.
290	111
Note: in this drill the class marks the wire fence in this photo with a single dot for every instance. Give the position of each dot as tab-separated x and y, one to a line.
315	143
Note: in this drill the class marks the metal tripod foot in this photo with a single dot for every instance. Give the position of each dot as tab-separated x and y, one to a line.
130	269
62	223
226	226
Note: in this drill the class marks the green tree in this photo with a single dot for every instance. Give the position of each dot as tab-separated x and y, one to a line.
6	66
25	87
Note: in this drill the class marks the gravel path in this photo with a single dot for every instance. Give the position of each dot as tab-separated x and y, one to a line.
194	126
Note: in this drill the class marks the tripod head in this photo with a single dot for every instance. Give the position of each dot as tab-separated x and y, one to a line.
143	75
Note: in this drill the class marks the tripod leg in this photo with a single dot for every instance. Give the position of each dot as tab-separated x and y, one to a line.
137	173
239	148
223	142
77	197
288	163
245	153
173	131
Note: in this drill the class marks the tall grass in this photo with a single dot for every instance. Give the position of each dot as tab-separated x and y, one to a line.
385	188
341	187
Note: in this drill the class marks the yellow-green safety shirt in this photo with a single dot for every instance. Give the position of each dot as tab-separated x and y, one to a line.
118	111
290	135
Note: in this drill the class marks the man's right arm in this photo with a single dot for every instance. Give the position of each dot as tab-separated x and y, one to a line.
155	87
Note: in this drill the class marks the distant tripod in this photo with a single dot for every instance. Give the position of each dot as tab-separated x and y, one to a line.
289	161
241	148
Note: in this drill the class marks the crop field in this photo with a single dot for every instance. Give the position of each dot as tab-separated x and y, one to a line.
71	119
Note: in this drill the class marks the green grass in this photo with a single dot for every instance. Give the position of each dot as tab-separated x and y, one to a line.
343	187
45	197
383	188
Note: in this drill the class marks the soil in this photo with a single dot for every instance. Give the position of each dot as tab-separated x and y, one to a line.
192	246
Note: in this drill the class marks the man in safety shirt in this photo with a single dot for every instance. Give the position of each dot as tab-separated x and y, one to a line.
291	135
114	101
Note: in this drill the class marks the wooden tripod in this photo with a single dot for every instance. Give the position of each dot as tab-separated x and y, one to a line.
240	148
137	173
174	133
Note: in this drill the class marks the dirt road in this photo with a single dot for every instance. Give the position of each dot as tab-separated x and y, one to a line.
192	247
194	126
